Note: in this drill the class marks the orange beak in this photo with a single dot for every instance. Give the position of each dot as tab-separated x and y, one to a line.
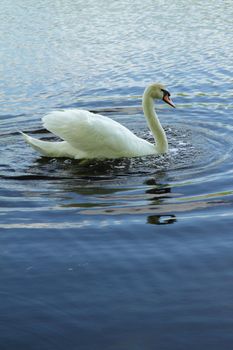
167	99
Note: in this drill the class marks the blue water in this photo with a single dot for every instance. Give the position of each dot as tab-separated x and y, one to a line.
121	254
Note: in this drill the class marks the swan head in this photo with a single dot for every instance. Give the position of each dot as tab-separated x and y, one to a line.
159	91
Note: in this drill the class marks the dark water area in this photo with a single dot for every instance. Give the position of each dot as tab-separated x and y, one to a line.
119	254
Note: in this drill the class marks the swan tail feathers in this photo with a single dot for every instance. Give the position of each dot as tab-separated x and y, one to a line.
39	145
53	149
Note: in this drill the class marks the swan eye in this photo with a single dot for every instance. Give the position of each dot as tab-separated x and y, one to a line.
166	97
166	93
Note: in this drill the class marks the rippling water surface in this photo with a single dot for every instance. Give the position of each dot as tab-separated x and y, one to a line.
119	254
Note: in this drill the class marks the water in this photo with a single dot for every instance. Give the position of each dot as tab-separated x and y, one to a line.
131	253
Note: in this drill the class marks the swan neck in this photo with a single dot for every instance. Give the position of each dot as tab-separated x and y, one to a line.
154	123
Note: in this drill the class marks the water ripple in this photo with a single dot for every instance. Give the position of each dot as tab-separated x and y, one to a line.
200	156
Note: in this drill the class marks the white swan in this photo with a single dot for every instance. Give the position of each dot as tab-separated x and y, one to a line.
87	135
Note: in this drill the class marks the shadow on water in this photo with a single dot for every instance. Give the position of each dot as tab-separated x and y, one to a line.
110	187
163	192
161	219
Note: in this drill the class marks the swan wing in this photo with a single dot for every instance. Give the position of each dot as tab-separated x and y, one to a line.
93	134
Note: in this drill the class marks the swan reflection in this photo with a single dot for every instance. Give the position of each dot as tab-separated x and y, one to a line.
161	219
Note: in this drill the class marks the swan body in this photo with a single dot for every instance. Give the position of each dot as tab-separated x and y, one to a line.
87	135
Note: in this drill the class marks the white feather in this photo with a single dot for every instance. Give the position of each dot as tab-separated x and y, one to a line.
89	135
